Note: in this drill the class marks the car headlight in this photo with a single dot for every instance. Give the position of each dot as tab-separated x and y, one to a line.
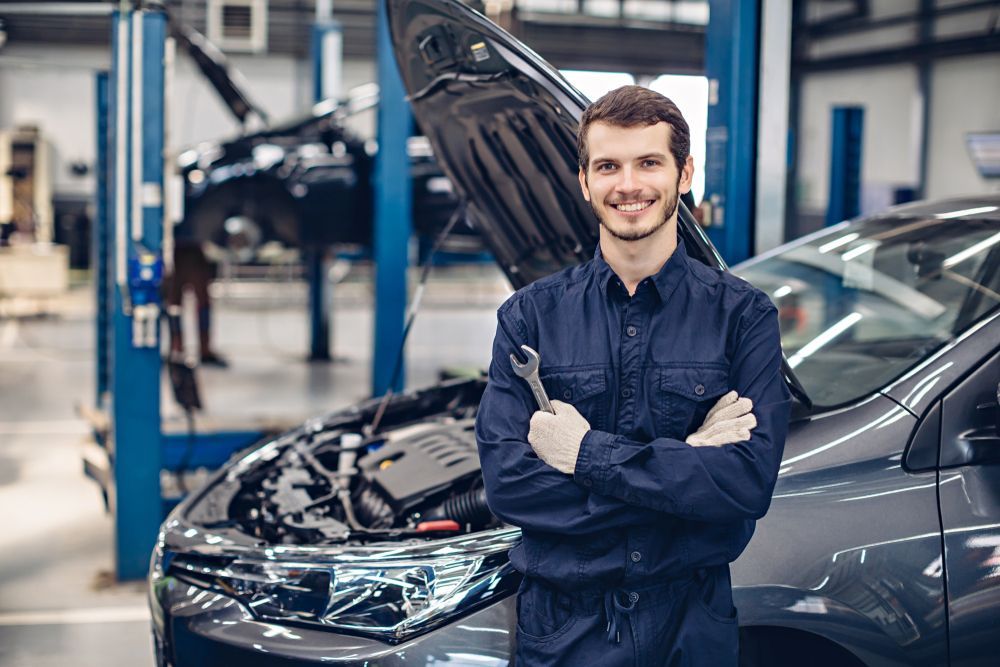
389	600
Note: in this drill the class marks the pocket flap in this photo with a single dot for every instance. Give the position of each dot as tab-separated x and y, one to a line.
696	384
571	386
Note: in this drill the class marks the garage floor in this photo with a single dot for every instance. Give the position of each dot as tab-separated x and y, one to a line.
59	603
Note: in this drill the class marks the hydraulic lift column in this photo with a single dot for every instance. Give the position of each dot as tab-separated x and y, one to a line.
393	194
327	48
135	236
731	140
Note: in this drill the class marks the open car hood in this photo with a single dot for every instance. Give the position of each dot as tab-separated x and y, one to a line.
502	123
217	71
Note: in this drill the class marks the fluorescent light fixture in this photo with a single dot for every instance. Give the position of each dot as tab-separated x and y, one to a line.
836	243
784	290
860	250
971	251
821	340
965	212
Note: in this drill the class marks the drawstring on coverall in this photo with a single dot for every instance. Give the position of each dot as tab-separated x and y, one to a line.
614	610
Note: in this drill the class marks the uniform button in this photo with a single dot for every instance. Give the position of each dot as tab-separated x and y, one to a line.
631	331
587	482
700	389
626	392
568	394
633	597
636	556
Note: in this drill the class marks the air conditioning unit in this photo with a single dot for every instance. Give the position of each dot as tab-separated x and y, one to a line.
238	25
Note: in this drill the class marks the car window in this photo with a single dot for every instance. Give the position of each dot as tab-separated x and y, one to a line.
864	302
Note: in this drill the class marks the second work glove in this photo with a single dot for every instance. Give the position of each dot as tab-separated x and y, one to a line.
556	438
728	422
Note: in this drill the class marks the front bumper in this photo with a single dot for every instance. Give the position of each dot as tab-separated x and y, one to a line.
193	626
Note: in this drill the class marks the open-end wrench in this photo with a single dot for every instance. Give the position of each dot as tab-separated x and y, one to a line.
529	371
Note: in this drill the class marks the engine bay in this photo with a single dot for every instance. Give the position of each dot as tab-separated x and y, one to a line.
330	482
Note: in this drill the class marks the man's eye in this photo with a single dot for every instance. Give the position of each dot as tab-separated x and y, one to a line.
606	166
650	163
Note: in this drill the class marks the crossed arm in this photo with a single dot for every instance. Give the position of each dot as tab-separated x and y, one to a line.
618	482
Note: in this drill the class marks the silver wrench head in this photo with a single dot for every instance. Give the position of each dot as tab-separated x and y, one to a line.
530	366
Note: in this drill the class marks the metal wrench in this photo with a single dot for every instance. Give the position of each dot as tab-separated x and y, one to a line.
529	371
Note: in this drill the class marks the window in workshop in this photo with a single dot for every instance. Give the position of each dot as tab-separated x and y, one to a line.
595	84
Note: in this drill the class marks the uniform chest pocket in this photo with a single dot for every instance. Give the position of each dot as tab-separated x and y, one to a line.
684	397
586	390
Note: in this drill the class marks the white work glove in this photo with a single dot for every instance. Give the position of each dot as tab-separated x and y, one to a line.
728	422
556	438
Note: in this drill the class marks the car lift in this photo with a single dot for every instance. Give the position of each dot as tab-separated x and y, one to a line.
133	246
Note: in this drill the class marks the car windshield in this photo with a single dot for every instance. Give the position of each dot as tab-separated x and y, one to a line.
862	302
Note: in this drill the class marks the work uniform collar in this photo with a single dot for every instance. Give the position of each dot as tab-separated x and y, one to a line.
664	281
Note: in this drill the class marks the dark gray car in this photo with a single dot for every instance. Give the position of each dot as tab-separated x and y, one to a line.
365	539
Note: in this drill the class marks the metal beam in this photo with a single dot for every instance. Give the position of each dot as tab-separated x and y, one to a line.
915	53
845	164
135	376
732	68
101	239
925	86
393	194
861	22
772	124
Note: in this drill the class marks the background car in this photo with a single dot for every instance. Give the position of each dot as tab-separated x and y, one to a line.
364	537
302	183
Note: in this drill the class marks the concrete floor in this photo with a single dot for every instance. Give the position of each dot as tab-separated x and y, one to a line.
59	603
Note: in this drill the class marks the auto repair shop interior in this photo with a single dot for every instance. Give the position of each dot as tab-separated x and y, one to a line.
251	256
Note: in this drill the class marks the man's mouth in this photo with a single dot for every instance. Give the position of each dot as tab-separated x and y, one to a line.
632	207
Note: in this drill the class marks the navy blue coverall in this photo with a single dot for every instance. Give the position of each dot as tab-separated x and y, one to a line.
626	562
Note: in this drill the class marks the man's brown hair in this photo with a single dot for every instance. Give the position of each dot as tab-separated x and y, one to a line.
630	106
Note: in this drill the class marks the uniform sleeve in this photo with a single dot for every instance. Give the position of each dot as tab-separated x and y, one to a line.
521	489
712	484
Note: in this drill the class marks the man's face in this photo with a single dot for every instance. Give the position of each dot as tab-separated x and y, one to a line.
632	181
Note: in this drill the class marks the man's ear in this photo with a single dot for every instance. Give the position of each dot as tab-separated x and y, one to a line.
582	175
687	176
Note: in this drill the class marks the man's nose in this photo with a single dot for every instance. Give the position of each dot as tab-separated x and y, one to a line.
627	182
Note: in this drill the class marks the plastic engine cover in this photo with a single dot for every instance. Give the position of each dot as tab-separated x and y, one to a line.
416	467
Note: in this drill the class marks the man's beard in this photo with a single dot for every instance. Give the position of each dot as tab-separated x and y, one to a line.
639	234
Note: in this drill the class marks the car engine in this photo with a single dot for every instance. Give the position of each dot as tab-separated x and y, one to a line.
335	485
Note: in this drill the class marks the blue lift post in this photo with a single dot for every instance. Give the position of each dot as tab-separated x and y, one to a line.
137	70
393	194
326	50
128	242
845	164
731	64
100	254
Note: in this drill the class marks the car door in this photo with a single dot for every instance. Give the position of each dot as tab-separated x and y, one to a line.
969	496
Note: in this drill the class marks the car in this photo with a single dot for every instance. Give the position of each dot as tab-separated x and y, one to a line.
364	536
303	183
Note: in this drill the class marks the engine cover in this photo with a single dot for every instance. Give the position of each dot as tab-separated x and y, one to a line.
415	467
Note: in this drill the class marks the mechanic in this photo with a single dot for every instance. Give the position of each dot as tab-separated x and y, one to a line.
192	271
630	515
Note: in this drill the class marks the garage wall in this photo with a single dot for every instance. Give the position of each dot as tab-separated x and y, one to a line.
966	99
891	153
54	90
53	87
965	96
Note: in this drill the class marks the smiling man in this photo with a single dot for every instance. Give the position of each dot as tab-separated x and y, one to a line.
670	418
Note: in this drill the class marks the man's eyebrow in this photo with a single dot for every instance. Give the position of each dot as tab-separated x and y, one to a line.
647	156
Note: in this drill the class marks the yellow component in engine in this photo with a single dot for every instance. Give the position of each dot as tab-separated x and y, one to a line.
385	464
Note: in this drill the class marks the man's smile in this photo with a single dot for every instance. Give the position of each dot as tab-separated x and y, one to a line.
633	207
